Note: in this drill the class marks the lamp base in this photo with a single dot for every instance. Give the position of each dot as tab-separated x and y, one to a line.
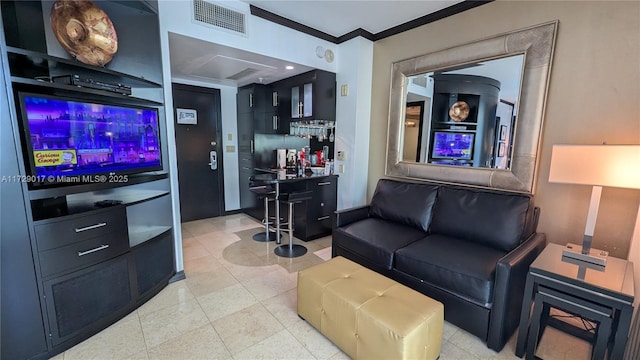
595	256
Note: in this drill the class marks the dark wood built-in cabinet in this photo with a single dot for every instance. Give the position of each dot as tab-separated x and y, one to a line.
71	267
481	95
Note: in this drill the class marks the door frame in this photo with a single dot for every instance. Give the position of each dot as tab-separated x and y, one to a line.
218	110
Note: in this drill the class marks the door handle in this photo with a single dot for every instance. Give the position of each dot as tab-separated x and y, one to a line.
274	98
213	158
274	121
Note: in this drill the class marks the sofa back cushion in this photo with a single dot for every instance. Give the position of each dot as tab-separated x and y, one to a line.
495	219
406	203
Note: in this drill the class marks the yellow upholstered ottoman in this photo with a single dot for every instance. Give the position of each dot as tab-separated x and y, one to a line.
368	315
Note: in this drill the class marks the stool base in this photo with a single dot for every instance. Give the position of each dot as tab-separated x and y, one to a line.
290	251
263	237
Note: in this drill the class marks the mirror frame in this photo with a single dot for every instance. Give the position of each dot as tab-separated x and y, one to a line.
537	44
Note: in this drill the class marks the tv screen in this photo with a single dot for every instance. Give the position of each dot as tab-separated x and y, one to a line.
72	140
452	145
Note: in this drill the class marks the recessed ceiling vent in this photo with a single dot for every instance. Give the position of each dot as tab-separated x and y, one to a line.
420	81
242	74
219	16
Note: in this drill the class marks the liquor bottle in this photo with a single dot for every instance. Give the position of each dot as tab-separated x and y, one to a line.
299	167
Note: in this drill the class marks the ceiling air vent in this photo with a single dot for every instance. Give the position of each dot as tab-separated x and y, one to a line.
242	74
219	16
420	81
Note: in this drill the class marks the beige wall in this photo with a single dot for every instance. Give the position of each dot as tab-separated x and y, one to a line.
594	96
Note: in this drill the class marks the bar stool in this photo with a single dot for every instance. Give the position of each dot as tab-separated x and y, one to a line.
268	194
546	297
292	250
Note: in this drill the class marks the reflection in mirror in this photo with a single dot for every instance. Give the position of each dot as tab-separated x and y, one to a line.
463	116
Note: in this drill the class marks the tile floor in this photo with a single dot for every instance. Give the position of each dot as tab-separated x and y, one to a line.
239	302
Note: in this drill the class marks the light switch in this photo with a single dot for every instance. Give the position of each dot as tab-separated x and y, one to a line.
229	137
344	90
230	148
341	155
341	168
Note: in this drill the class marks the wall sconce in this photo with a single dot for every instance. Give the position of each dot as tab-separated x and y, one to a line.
410	123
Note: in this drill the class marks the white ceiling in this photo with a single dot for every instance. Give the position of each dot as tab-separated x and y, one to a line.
199	60
341	17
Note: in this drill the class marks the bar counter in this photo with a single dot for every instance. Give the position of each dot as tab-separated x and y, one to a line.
275	177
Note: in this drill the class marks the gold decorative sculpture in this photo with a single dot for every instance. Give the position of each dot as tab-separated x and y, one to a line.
85	31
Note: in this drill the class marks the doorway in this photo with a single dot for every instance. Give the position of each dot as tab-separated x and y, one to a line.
198	127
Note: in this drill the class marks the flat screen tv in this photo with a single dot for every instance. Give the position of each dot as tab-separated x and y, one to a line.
71	141
452	145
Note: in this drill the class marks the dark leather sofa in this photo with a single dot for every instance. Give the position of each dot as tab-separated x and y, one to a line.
468	248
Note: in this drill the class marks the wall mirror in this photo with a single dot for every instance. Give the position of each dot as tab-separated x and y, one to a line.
473	113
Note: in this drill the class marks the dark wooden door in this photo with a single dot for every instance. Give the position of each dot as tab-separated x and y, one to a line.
197	145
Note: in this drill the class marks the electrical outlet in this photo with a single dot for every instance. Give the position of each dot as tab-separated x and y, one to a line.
341	156
230	148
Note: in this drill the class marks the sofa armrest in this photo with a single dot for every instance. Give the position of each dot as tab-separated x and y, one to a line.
348	216
508	292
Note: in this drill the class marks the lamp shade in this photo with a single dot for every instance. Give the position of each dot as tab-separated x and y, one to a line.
599	165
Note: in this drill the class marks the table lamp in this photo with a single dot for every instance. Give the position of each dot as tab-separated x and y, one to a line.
598	166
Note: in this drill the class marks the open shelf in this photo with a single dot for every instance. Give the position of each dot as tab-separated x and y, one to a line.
140	234
45	84
55	66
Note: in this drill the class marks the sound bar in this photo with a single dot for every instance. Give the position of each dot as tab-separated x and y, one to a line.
81	81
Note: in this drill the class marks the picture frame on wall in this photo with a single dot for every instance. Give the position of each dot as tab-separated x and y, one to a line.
501	148
503	132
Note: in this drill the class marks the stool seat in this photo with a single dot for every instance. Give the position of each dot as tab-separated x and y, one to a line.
268	193
292	250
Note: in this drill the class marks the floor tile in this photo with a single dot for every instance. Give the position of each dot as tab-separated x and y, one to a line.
171	322
450	351
281	345
200	343
208	282
318	345
122	340
271	284
247	327
173	294
194	252
284	308
226	301
202	265
472	344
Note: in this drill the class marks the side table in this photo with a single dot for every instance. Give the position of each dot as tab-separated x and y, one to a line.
611	287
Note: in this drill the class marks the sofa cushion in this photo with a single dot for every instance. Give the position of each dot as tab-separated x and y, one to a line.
405	203
490	218
376	239
464	268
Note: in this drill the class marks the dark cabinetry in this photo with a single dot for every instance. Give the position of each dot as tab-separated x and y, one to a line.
261	103
91	273
69	272
313	218
320	208
309	96
467	141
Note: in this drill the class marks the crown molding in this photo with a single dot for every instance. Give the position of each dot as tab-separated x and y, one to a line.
423	20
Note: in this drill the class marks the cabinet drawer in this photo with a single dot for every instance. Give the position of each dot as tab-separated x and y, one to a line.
68	231
83	253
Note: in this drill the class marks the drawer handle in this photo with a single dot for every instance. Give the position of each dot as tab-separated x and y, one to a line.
83	253
324	183
324	218
78	230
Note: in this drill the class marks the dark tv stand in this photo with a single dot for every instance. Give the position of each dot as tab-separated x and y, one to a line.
109	259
